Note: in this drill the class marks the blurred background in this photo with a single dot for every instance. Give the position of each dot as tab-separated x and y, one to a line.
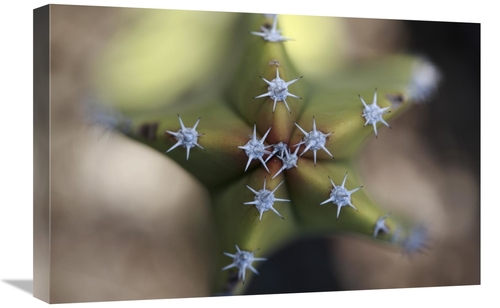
129	224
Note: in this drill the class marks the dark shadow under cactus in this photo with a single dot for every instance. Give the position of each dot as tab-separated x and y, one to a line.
302	266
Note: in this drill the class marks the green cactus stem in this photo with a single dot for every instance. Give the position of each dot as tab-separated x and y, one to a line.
306	137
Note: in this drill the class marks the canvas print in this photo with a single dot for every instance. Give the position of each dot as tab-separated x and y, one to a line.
194	154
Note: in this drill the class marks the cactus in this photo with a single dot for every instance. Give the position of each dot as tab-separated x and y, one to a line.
267	125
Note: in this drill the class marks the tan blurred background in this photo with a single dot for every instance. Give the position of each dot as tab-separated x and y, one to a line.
127	223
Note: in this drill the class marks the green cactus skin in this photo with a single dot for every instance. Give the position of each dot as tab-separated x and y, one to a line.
227	120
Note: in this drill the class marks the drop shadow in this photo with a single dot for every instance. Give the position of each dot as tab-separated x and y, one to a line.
25	285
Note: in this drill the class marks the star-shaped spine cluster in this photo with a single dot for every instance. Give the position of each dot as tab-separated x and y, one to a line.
416	241
273	34
289	160
278	149
264	200
186	137
277	90
340	196
242	260
373	113
314	140
255	149
380	225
